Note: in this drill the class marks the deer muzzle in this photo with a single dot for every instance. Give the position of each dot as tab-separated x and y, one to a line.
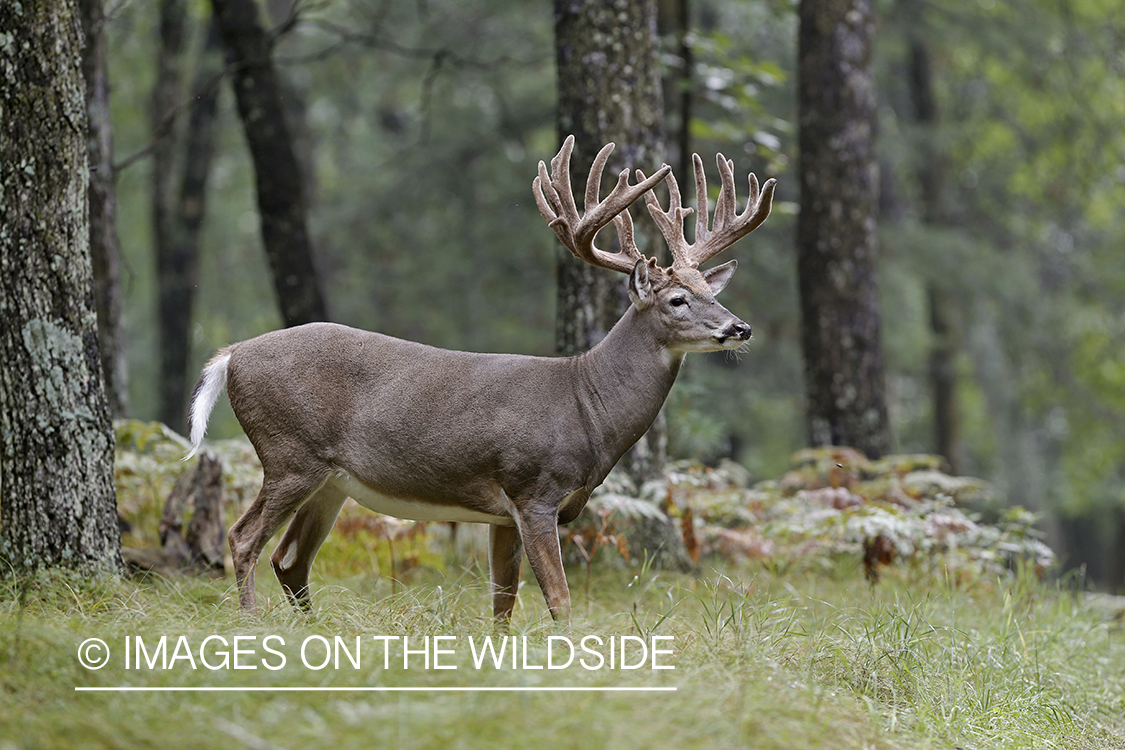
737	331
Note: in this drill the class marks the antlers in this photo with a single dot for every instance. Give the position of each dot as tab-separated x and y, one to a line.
730	226
556	203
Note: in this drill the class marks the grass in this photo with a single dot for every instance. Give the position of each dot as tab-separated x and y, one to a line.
763	659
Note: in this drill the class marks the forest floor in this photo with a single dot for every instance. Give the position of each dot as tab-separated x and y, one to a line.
741	657
847	604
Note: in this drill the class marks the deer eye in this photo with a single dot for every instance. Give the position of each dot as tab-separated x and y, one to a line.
677	301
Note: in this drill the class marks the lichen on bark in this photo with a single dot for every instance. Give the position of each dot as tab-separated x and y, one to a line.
57	501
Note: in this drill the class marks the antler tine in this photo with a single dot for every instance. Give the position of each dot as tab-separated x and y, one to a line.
558	202
625	238
729	226
594	179
725	207
555	200
703	220
670	222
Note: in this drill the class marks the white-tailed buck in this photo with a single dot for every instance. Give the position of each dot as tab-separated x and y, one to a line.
516	442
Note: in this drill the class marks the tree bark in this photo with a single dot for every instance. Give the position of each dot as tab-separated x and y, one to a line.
105	250
1115	562
931	171
179	223
836	244
609	90
674	20
943	375
294	96
170	280
282	203
56	440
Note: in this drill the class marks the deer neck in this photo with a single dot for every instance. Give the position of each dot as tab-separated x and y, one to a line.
625	379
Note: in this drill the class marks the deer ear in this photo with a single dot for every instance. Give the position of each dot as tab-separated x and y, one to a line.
640	287
718	276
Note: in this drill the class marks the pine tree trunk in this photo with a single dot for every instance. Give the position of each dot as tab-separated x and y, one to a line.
56	441
609	90
282	203
836	243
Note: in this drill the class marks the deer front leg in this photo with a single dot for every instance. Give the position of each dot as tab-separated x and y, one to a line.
505	555
540	534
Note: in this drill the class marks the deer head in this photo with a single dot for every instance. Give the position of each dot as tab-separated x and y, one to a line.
681	296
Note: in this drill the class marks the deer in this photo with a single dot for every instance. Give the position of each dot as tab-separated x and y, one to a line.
514	441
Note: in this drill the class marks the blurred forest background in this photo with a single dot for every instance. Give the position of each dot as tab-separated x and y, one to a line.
419	126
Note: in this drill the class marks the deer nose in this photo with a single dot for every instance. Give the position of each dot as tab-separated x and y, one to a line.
738	330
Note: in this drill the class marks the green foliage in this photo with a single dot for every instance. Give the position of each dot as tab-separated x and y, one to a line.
1027	243
148	461
380	550
374	550
798	653
833	509
837	508
730	83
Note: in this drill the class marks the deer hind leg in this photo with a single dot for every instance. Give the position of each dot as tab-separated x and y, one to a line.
293	558
505	555
540	535
278	500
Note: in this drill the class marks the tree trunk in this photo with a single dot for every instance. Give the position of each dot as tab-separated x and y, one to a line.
836	245
180	224
294	96
674	20
609	90
56	440
943	375
172	320
930	171
1115	562
281	193
104	245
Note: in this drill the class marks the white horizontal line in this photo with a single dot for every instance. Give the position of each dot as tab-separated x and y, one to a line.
131	689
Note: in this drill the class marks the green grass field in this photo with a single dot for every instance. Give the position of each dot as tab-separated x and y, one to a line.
761	660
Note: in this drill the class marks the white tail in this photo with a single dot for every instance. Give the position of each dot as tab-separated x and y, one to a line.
203	398
513	441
